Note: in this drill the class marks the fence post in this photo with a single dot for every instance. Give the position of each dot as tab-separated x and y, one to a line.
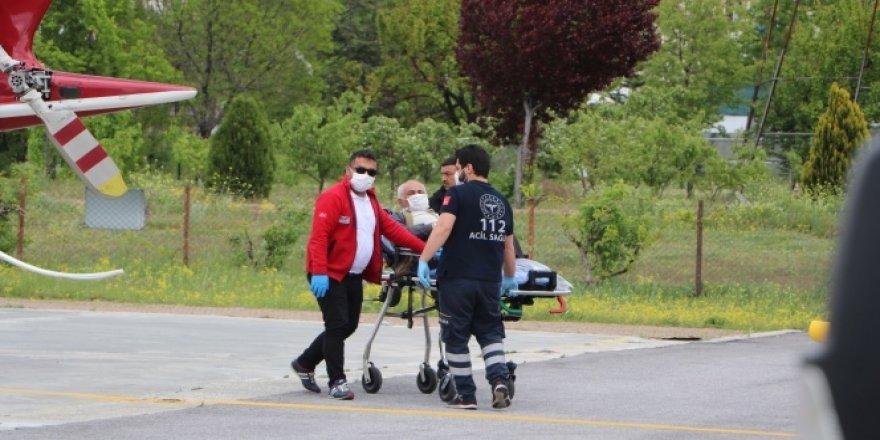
699	266
531	202
186	204
22	201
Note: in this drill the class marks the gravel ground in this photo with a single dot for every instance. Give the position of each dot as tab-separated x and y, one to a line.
370	318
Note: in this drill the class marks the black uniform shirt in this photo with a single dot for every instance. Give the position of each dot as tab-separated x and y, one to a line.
436	199
483	220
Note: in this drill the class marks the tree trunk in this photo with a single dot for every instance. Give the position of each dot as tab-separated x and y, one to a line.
585	257
522	151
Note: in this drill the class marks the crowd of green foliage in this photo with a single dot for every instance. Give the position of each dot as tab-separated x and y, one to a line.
399	59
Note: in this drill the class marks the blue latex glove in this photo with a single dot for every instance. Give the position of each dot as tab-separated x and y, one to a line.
424	273
320	285
438	254
508	285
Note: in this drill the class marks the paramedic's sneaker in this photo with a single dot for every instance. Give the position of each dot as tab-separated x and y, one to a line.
500	394
306	377
340	390
461	402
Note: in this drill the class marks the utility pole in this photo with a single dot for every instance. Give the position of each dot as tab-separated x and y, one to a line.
760	73
865	56
776	73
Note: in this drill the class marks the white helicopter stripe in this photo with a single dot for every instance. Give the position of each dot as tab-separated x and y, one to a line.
102	103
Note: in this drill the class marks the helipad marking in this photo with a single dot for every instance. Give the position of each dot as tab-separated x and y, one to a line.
392	411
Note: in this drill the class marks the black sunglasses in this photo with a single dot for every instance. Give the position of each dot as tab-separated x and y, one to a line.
361	170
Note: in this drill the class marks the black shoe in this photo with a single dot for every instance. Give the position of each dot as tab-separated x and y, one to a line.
306	377
500	394
461	402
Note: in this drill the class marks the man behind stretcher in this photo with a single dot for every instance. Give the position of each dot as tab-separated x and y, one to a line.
475	230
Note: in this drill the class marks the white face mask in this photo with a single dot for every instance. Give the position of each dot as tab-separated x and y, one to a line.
361	182
418	202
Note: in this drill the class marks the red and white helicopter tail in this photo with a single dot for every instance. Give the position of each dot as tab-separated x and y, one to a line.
33	95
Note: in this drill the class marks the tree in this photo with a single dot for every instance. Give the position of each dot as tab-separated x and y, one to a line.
827	46
111	38
584	144
671	154
356	52
430	141
419	77
526	57
382	135
605	142
241	160
839	134
270	49
102	37
702	59
316	141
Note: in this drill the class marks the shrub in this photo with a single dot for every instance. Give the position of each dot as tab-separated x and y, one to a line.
839	133
276	241
241	159
610	229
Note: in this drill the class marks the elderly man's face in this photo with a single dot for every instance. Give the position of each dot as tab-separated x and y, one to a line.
408	191
447	173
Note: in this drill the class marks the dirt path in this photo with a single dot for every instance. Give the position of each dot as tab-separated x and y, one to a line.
368	318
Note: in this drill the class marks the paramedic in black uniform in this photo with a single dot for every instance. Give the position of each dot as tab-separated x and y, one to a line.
475	230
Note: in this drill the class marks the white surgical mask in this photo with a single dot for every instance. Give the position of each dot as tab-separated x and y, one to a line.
418	202
361	182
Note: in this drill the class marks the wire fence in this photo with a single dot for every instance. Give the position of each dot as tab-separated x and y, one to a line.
174	225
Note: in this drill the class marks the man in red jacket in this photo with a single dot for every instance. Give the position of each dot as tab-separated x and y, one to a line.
343	251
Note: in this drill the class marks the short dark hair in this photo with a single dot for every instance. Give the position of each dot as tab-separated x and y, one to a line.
366	154
448	161
476	156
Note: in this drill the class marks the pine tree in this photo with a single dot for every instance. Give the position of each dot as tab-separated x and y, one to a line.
838	135
241	159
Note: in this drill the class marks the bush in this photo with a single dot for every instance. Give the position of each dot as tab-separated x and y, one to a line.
277	241
610	229
241	159
838	135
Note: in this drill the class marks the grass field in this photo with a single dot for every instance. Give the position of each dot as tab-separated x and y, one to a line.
758	274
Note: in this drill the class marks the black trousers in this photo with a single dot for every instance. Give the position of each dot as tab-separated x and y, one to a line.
341	310
470	307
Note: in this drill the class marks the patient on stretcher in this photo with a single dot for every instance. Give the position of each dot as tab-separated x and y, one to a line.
534	278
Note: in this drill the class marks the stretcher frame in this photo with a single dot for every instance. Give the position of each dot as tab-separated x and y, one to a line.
428	379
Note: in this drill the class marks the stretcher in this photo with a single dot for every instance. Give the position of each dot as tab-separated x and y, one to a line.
401	284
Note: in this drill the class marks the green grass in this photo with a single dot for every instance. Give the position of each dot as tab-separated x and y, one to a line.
759	272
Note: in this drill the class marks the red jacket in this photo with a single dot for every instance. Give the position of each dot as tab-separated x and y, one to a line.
333	241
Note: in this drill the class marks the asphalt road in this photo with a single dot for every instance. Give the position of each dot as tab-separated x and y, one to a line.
99	375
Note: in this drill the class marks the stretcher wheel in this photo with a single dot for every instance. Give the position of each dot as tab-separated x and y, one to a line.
446	388
426	379
375	380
